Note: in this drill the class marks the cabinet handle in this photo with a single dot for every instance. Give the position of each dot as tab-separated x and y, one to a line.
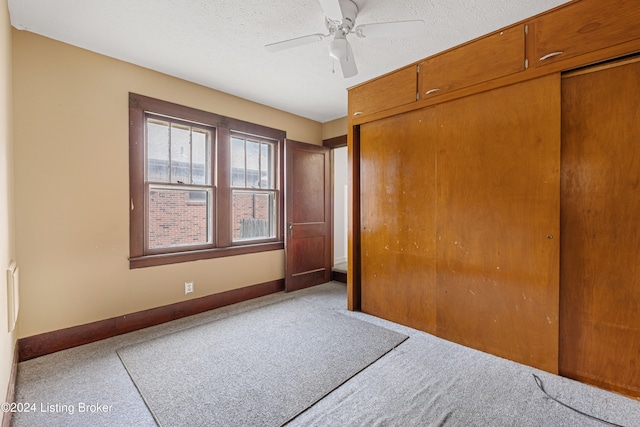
550	55
357	113
430	91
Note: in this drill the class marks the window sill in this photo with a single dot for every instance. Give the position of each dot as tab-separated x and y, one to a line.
174	258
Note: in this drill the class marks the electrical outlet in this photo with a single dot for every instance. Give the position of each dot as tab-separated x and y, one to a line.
188	287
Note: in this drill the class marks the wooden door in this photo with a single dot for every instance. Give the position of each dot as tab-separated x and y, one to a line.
308	215
498	221
600	226
397	235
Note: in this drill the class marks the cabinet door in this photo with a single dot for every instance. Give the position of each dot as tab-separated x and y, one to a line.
582	27
488	58
498	220
600	280
397	191
391	90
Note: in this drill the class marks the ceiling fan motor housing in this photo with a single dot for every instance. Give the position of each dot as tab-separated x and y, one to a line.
349	14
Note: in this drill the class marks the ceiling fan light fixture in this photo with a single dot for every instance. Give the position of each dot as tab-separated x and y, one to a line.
338	48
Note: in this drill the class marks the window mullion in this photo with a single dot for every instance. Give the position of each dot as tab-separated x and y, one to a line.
260	165
190	155
224	184
170	158
246	171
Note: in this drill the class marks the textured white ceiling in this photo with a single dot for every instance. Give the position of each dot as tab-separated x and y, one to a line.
219	43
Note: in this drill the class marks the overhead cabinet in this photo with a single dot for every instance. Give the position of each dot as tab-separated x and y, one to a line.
391	90
585	26
487	58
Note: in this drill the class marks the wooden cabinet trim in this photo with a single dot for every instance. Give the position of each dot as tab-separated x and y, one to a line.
353	235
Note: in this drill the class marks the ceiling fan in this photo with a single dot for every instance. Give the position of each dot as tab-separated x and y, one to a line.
340	19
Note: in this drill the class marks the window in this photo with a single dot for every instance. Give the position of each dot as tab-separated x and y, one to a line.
178	171
202	185
253	188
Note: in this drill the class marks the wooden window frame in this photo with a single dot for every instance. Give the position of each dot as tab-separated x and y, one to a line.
223	245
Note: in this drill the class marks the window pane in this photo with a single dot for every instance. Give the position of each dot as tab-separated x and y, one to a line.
253	164
266	164
178	217
180	154
253	215
237	162
200	155
157	151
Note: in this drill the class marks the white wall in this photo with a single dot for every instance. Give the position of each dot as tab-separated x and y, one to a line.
340	205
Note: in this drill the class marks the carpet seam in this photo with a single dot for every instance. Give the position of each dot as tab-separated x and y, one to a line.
345	381
138	389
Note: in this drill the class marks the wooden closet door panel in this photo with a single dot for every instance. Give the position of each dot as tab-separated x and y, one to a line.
397	188
600	226
498	221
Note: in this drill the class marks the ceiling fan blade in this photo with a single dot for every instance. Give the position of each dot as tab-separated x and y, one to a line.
348	64
332	9
391	29
298	41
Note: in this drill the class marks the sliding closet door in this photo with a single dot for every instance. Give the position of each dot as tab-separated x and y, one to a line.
498	221
600	225
397	188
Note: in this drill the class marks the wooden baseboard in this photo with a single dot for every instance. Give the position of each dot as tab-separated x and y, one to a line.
339	276
11	388
625	390
50	342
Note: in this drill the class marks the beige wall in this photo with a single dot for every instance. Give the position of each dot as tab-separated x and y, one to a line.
7	240
72	187
335	128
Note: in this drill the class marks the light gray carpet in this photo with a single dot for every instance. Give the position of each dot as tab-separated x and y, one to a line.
431	382
260	368
425	381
